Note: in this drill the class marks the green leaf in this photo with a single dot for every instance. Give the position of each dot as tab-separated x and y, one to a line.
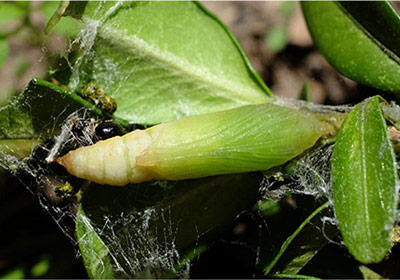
380	20
148	229
36	115
306	244
364	176
191	255
361	40
369	273
295	263
305	92
39	111
268	207
94	252
163	60
277	38
4	52
294	276
53	12
10	11
24	5
16	273
19	148
41	268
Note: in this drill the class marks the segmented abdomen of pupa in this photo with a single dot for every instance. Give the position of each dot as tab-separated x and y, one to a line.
244	139
112	161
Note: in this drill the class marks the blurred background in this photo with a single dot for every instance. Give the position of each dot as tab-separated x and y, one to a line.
275	38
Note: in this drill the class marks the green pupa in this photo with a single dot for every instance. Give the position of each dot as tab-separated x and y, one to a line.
244	139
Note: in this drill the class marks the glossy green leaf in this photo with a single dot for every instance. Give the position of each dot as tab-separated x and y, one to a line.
4	52
379	19
361	40
163	60
145	230
364	176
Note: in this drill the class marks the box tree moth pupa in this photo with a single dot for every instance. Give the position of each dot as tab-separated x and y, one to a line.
244	139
